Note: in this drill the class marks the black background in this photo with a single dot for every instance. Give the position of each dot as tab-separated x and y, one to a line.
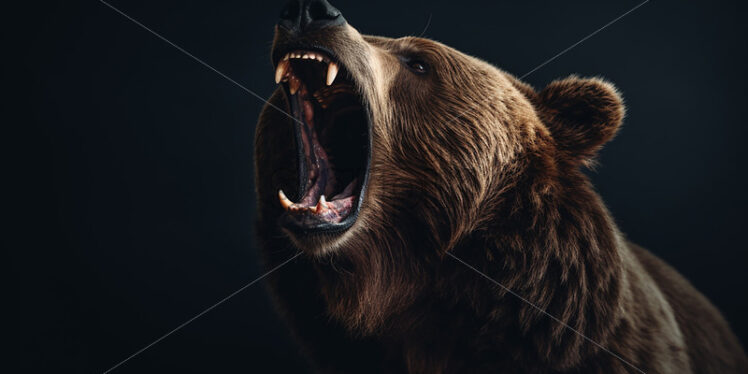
137	188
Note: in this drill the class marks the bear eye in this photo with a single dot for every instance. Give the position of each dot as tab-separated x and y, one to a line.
417	66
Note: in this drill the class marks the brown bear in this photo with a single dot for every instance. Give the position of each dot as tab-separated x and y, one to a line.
444	221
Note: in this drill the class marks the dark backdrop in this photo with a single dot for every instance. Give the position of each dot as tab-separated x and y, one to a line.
138	194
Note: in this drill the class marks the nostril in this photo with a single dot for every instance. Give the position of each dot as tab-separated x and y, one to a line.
306	15
321	10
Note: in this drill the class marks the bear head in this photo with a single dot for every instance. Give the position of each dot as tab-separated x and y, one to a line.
380	155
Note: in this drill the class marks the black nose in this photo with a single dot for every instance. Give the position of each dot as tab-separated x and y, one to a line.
306	15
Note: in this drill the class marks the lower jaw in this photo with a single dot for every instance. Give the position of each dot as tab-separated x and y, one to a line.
307	224
326	217
323	213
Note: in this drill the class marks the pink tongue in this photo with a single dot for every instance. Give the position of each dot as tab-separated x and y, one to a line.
348	191
338	209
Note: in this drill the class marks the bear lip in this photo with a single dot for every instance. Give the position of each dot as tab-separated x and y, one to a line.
333	141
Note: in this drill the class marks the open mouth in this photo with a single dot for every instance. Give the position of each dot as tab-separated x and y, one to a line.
332	135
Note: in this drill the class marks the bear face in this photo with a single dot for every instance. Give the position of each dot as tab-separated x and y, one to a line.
410	132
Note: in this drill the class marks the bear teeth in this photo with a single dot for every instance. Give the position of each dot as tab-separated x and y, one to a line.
332	72
306	56
321	205
287	204
285	201
283	71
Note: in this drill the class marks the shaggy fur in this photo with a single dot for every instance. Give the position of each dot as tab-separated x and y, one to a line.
470	161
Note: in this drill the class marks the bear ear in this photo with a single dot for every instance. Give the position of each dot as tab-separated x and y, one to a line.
581	113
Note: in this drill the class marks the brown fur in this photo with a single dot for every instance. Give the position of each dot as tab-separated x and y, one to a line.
468	160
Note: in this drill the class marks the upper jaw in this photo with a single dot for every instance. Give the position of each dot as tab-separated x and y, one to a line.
318	40
329	199
284	73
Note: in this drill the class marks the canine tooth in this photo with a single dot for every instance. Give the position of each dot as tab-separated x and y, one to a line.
285	202
285	58
321	205
293	85
281	70
332	72
319	58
